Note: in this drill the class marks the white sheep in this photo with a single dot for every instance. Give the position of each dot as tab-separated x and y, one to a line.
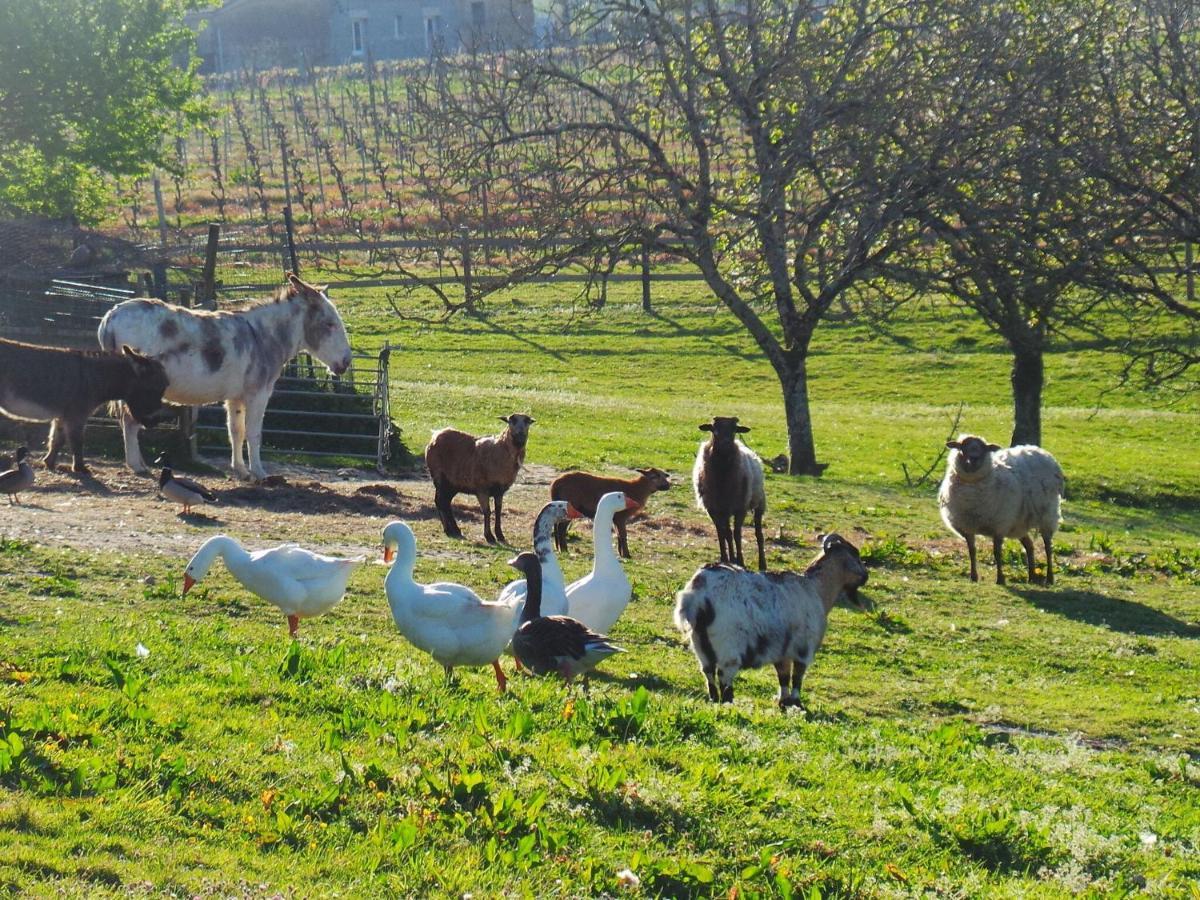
744	620
728	480
1001	494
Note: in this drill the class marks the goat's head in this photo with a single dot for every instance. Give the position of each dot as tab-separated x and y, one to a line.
972	455
144	394
658	479
518	426
724	429
836	550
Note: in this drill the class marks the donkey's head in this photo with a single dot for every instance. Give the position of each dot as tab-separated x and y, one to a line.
324	333
143	395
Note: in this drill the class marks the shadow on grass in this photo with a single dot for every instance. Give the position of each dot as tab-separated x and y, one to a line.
1126	616
705	335
518	336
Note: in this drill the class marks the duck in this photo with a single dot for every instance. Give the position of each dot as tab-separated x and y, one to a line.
17	479
448	621
301	583
598	598
554	591
553	644
181	490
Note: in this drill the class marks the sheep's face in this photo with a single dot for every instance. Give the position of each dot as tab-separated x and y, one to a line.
659	480
974	454
518	426
834	547
724	429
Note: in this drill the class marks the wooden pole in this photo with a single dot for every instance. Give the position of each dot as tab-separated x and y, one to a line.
208	282
291	238
646	279
468	297
162	211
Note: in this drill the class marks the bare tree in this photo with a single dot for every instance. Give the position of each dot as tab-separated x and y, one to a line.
783	148
1028	235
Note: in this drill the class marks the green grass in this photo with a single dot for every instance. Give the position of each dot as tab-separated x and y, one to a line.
964	739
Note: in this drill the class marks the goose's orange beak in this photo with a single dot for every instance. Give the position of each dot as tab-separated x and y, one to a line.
573	513
388	554
188	582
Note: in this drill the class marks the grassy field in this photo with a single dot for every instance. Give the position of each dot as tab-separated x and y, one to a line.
964	739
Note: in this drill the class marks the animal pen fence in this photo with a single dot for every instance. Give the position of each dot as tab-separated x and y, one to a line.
311	413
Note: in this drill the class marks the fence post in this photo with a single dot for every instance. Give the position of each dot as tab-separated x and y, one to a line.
159	274
162	211
646	278
291	238
468	289
207	298
1189	258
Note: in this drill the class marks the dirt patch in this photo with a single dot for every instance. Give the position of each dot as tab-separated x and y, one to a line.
341	511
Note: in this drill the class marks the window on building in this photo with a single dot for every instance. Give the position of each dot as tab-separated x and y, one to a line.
360	36
478	15
433	34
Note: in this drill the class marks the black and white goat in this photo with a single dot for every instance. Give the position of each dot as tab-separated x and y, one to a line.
745	620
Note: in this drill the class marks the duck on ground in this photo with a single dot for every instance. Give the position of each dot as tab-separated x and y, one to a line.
302	584
19	478
554	644
182	490
448	621
598	598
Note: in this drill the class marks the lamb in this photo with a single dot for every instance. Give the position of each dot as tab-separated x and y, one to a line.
486	467
583	491
728	478
1001	493
745	620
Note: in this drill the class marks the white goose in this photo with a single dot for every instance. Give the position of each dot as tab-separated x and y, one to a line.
448	621
598	598
301	583
554	590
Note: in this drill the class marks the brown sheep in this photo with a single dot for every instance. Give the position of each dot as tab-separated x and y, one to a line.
460	463
583	491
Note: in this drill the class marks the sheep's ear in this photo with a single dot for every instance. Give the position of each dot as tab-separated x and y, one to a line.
954	445
741	429
821	538
707	426
993	447
503	419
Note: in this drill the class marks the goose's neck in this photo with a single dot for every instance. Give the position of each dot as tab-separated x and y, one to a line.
544	549
400	575
533	595
236	559
602	541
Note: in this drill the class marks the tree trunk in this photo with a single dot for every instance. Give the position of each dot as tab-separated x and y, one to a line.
1028	376
802	453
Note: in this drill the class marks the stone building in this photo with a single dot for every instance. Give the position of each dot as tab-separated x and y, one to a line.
261	34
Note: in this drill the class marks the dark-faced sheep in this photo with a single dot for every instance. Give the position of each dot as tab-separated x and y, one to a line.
460	463
583	491
744	620
1001	494
728	478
